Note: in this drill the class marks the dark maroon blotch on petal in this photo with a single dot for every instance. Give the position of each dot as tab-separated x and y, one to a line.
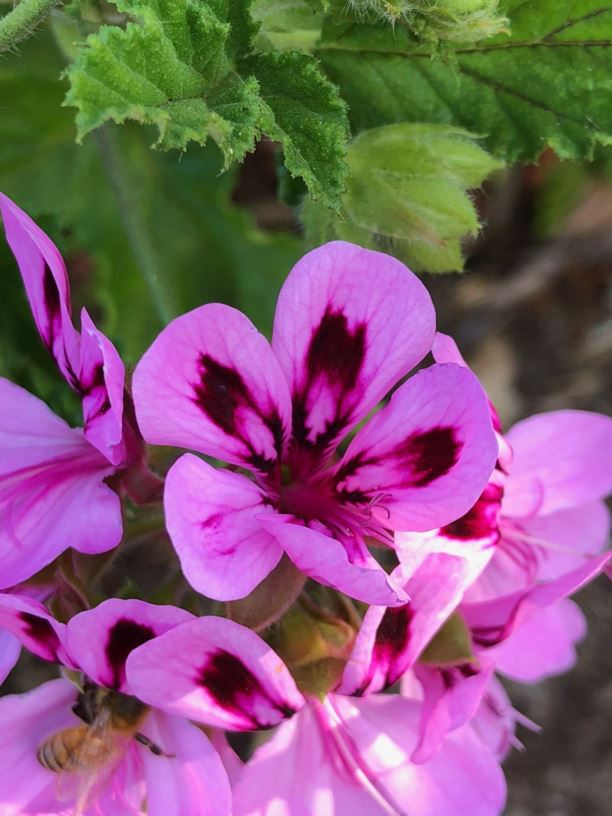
481	520
452	675
220	392
390	645
232	685
40	630
430	454
51	298
124	636
336	351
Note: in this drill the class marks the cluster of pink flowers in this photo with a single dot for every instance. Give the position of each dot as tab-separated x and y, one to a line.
398	555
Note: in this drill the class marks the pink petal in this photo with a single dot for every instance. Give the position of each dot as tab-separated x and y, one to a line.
451	697
567	452
26	720
564	539
34	627
10	649
543	645
463	777
349	324
46	283
428	455
293	774
495	721
472	537
212	517
491	622
100	639
217	672
445	350
191	783
210	382
52	493
102	382
391	639
328	561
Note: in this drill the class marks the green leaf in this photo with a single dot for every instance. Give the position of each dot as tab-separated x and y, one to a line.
184	67
407	192
206	249
545	85
302	110
169	69
288	23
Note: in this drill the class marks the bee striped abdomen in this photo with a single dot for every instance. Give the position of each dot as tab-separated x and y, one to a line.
71	750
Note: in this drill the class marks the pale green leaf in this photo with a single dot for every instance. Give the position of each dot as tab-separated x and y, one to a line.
547	84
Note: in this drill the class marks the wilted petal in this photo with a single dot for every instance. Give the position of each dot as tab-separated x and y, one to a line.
44	276
391	639
216	672
543	645
52	493
427	456
100	639
210	382
212	517
349	324
26	720
193	781
102	381
567	452
327	560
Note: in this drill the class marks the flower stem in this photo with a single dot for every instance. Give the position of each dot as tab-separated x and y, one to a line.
20	22
124	187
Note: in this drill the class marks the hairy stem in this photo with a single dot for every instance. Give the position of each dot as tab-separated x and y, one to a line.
20	22
124	188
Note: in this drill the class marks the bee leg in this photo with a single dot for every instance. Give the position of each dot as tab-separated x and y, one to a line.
153	748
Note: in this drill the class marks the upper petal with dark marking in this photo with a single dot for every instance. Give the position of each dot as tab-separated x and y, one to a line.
100	640
210	382
349	324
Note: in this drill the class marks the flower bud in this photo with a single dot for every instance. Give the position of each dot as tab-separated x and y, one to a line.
446	20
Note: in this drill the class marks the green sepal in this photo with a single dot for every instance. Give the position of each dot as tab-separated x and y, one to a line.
407	192
452	645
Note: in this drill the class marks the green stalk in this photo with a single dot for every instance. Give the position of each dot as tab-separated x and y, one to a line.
129	208
21	21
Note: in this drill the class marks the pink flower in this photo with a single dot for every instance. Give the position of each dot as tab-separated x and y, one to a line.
352	756
542	513
220	674
53	493
352	753
350	323
527	635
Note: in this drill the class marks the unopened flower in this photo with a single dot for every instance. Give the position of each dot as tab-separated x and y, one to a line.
350	323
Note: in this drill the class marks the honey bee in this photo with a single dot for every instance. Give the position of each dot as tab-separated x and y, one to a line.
110	720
